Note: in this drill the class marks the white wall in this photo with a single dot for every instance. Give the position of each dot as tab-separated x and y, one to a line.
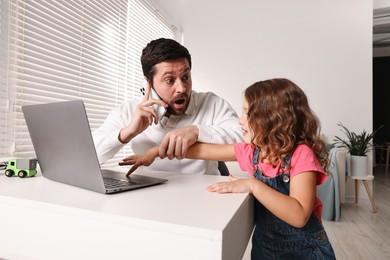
324	46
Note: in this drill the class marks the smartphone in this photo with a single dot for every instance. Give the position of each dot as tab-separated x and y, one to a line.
161	110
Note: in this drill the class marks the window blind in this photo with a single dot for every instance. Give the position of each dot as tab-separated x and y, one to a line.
64	50
3	78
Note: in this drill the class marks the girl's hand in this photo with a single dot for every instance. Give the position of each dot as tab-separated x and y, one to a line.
234	185
145	159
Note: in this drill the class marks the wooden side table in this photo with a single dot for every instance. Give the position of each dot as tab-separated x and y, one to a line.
387	156
365	179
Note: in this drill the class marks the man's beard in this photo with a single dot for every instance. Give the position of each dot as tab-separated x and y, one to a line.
182	98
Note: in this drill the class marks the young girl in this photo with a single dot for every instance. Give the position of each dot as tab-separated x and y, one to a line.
286	159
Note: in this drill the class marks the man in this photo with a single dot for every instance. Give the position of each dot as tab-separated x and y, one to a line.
170	114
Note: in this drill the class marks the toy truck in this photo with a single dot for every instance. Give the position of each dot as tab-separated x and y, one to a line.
21	167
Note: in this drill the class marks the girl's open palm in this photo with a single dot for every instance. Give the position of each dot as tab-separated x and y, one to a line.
234	185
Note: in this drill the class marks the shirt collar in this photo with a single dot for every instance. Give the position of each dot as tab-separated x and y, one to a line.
191	106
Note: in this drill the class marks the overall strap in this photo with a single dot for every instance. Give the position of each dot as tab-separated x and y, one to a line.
286	175
255	162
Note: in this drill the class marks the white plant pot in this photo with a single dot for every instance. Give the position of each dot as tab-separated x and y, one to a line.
359	166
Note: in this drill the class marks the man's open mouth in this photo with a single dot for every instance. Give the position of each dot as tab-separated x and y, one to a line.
180	101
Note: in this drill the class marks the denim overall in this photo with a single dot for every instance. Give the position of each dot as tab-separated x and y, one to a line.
275	239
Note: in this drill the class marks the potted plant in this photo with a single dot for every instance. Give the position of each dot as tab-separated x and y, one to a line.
358	145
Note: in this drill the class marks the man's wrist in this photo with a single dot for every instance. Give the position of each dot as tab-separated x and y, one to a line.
122	136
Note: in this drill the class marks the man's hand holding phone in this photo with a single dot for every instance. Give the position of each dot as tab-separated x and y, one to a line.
143	117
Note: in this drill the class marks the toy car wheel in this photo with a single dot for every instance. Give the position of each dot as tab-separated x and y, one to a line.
9	173
22	174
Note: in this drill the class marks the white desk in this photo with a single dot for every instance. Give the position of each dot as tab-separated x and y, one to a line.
43	219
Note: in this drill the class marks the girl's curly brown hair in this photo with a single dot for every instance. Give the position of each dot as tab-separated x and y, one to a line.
280	119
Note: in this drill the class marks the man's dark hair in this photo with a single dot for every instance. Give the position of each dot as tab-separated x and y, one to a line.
161	50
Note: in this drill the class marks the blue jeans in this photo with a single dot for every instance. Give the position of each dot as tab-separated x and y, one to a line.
275	239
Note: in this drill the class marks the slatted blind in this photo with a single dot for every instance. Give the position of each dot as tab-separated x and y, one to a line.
3	78
64	50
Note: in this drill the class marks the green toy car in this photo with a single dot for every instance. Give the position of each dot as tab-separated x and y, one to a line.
21	167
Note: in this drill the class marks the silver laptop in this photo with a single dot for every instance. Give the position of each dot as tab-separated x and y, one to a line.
63	143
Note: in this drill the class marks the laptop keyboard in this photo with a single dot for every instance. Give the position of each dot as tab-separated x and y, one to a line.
115	183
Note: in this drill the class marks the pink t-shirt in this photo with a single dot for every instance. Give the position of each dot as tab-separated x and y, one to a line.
302	160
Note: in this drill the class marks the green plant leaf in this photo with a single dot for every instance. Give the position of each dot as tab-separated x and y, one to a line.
356	144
